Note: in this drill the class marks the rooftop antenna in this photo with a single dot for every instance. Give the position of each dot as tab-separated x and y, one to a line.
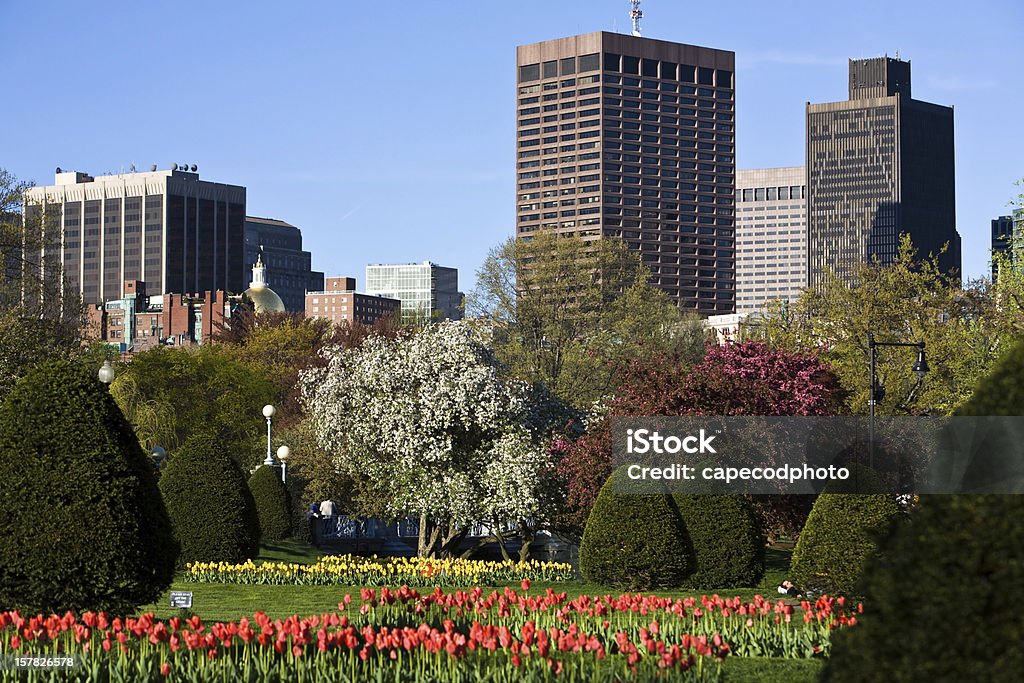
897	54
636	14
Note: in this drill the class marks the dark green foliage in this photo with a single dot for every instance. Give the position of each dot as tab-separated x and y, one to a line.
635	542
728	542
1001	392
943	600
211	507
839	536
84	527
272	504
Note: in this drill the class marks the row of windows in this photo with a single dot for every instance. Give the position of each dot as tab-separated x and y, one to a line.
654	68
651	89
771	194
560	67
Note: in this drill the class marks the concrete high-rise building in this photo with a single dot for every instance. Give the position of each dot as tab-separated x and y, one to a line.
289	268
341	303
170	229
879	165
771	236
632	138
427	291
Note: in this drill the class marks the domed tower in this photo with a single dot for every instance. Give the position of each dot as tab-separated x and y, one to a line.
264	299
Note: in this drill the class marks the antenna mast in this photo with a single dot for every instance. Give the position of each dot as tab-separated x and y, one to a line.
636	14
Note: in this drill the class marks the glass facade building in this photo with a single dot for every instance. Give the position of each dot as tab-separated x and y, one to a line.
427	291
623	137
168	229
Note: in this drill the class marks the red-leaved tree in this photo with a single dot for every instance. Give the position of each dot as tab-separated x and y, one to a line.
747	378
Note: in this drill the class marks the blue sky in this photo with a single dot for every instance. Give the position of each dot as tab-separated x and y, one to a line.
385	129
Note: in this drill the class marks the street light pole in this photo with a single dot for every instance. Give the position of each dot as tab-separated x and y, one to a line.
877	392
282	454
268	412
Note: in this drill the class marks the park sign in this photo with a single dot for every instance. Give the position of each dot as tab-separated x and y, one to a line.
181	599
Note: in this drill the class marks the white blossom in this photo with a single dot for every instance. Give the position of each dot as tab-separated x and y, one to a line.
430	421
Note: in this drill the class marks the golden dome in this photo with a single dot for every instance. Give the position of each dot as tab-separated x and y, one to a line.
264	299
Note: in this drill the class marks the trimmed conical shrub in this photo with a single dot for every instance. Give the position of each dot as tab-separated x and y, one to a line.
211	508
840	535
84	527
728	543
943	601
634	542
272	504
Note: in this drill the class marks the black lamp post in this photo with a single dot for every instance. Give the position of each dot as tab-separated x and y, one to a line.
878	392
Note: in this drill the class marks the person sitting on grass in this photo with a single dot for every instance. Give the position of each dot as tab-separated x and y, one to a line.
787	588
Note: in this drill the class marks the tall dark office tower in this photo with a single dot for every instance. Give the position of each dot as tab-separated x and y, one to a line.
879	165
169	229
289	269
631	138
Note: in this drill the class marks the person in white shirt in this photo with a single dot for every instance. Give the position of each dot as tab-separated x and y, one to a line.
327	508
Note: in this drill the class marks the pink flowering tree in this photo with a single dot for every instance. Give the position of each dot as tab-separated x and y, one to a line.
747	378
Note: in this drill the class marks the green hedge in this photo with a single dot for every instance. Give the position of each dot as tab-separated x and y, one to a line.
943	601
84	527
635	542
272	504
840	535
211	507
728	542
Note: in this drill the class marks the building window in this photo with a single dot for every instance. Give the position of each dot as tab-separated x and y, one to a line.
529	72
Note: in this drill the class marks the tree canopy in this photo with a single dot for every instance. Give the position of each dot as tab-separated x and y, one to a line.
568	312
440	434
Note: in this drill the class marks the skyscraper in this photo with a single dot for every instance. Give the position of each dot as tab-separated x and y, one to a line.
631	138
170	229
879	165
771	236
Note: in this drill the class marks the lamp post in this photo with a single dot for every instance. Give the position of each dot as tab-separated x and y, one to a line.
268	412
878	392
106	373
282	454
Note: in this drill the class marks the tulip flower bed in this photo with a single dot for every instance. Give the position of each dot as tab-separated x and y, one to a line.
403	635
349	570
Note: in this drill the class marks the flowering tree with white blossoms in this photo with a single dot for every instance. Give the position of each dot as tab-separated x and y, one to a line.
441	434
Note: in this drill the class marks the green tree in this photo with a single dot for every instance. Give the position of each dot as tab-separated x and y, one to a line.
209	502
635	542
83	525
40	317
908	300
171	393
272	504
567	312
943	602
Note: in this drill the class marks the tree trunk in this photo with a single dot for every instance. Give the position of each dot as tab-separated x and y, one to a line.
527	536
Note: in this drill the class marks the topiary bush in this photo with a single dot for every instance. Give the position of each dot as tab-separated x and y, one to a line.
84	527
210	505
272	505
840	535
943	600
634	542
728	542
